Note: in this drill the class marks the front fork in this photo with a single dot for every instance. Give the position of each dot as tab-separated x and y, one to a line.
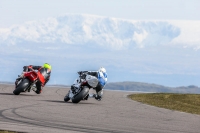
70	94
19	79
76	90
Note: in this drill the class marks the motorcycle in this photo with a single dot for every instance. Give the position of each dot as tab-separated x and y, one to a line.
80	88
26	83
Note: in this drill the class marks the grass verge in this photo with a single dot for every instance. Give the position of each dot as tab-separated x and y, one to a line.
7	131
189	103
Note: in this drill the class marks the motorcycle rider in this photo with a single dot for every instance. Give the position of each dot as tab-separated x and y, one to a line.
44	73
101	75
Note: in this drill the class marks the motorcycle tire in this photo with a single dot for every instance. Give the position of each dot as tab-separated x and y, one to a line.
66	98
81	95
21	87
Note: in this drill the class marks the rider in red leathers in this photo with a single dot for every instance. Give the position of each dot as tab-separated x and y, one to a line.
43	72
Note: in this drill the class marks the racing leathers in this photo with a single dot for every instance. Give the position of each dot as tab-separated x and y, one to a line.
102	79
43	75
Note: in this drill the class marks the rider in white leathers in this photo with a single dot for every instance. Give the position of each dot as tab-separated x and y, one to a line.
101	75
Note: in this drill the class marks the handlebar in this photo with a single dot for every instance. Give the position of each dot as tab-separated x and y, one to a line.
82	72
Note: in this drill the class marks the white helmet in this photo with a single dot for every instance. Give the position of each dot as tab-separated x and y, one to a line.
102	69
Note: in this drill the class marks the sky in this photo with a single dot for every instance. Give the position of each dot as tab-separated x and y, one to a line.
153	41
17	12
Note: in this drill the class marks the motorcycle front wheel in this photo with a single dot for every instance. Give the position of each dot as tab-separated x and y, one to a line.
21	87
66	98
82	94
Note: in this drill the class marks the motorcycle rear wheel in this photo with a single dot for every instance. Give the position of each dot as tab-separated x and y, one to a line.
21	87
81	95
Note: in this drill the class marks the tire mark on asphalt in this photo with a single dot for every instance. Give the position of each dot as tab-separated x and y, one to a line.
4	87
71	126
61	94
67	126
58	93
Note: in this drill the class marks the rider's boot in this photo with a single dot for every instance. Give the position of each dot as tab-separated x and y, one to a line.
38	87
38	91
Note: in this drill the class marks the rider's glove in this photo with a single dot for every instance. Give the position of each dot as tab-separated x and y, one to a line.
79	72
97	97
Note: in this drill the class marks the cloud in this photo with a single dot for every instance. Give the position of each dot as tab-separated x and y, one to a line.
190	34
79	29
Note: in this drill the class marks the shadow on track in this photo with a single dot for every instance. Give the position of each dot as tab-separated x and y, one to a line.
18	95
6	94
25	94
54	101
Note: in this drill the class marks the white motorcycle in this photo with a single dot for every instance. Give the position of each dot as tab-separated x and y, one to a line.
80	89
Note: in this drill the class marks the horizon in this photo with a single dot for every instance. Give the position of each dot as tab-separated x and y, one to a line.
68	85
156	45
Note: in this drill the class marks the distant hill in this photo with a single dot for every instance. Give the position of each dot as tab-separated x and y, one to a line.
139	86
2	82
147	87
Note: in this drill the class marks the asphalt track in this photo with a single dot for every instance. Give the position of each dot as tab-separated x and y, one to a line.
48	113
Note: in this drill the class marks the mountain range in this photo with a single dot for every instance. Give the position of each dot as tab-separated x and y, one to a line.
148	87
139	87
154	51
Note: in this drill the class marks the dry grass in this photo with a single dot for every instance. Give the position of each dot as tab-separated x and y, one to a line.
189	103
7	131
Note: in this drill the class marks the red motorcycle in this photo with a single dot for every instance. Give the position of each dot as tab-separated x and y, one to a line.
27	82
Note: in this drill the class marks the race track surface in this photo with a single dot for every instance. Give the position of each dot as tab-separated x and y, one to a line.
48	113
